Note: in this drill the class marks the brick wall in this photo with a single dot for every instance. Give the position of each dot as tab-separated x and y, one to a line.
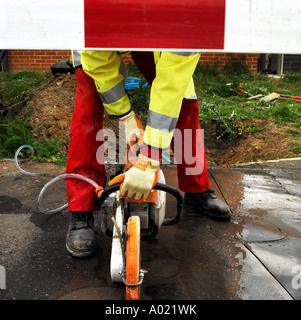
222	58
37	60
42	60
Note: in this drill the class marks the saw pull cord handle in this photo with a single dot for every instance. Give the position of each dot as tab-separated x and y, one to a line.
104	193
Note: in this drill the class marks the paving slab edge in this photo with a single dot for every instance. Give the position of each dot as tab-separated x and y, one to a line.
260	162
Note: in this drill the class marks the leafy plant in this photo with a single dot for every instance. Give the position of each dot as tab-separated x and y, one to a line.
49	150
16	133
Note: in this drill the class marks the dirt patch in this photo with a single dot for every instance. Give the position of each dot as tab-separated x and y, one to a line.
51	107
271	142
50	110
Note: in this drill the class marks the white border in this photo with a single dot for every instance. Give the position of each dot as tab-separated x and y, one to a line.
251	26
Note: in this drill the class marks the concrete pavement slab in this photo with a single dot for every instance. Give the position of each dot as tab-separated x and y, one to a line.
254	256
266	202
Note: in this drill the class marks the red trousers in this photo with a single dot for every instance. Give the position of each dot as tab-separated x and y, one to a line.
88	120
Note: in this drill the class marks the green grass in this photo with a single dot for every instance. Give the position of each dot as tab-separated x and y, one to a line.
221	102
14	133
295	148
294	132
218	97
17	85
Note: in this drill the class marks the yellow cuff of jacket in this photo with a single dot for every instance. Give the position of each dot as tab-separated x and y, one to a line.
157	138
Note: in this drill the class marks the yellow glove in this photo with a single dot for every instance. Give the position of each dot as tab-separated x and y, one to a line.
139	180
133	129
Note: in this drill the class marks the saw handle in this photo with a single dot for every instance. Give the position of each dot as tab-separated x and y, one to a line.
104	193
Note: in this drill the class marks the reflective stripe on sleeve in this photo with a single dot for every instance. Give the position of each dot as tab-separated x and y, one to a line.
118	91
193	97
161	121
184	53
114	94
76	57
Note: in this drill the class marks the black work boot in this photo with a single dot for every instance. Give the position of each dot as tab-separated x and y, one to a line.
208	204
81	238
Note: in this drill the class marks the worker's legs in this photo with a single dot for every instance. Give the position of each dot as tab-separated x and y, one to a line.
82	200
188	120
86	123
189	150
188	147
193	178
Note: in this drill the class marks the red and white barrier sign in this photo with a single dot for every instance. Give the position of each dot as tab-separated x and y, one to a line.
150	24
251	26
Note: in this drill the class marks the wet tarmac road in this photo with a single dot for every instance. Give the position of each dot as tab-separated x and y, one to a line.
257	255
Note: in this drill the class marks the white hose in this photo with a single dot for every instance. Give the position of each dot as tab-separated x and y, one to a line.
16	156
49	183
27	159
57	178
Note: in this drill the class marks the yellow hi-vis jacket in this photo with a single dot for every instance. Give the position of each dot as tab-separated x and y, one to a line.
173	82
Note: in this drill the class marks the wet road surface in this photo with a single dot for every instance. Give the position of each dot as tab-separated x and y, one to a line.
255	256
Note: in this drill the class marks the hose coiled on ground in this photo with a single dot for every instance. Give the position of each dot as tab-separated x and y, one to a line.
49	183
